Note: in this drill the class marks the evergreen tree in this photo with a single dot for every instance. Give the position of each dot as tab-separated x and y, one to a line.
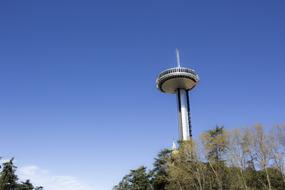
160	170
26	186
8	178
138	179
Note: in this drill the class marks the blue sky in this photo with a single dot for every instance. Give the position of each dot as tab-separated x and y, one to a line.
78	103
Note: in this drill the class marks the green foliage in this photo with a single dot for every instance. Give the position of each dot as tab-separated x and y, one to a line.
138	179
9	180
216	143
26	186
159	173
248	159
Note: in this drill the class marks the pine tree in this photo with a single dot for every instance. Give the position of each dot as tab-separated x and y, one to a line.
160	170
25	186
8	178
138	179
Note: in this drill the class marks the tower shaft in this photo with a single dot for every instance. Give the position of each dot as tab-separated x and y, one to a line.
184	114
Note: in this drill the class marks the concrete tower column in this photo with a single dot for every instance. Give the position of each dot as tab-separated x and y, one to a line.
183	114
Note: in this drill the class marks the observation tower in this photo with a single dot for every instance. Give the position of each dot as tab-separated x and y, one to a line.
179	80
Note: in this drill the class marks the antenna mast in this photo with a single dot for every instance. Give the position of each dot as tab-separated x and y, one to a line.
177	57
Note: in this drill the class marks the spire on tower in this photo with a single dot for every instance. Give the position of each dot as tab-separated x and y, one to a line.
177	57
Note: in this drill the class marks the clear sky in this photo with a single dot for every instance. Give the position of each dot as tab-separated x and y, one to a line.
78	102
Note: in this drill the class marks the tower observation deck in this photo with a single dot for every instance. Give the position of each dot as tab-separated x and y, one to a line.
179	80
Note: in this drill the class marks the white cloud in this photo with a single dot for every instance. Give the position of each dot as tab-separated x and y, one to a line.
41	177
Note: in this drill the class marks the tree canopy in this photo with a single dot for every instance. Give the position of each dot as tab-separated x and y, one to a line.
238	159
9	179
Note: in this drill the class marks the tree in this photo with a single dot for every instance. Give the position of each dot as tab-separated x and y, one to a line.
185	170
138	179
215	142
26	186
236	158
159	172
276	139
262	151
8	178
215	145
239	159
